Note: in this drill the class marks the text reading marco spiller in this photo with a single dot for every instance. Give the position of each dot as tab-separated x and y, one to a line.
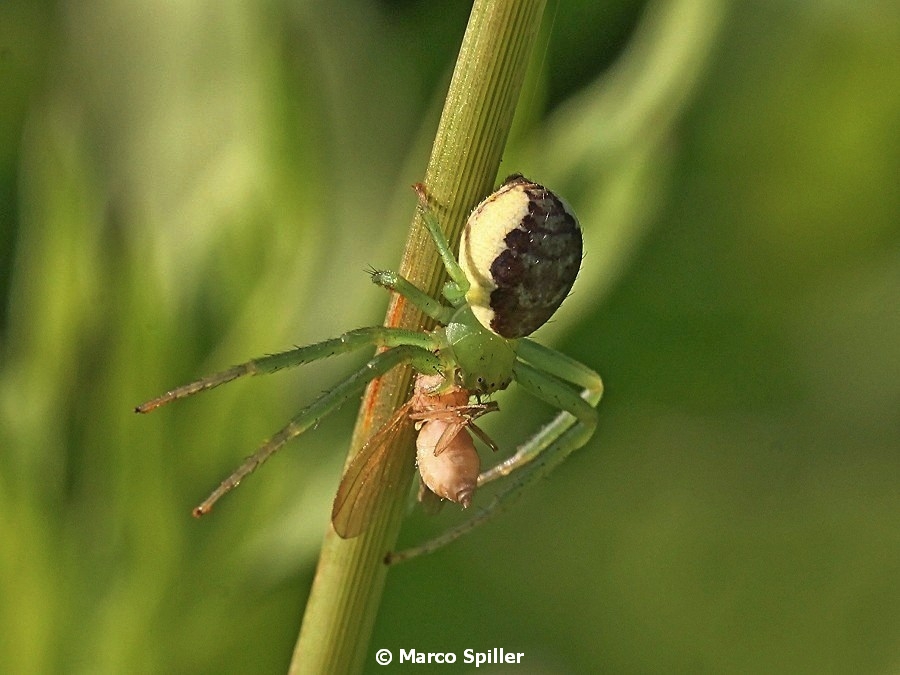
495	655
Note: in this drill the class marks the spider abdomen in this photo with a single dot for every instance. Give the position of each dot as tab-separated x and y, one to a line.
521	251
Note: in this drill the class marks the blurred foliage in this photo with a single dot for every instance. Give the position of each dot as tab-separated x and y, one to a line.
185	185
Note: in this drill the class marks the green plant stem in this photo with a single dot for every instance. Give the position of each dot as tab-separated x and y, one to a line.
465	158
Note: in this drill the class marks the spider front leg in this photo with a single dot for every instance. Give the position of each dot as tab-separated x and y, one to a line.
421	359
454	290
429	306
375	336
544	451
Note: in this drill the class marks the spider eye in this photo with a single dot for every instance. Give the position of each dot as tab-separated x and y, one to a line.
521	251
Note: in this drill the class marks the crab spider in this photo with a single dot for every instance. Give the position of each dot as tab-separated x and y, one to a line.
519	255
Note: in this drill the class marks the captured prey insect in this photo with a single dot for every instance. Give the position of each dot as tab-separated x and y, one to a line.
448	462
520	252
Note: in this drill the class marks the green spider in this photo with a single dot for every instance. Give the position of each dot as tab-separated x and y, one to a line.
519	255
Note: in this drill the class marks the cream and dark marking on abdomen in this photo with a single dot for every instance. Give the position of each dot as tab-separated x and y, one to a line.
528	289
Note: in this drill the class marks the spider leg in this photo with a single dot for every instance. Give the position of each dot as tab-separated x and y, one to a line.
420	358
455	291
566	442
548	388
562	366
377	336
431	307
544	451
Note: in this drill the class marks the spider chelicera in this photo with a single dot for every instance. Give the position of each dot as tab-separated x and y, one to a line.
519	255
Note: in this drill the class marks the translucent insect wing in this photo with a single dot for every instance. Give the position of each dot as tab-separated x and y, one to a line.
362	481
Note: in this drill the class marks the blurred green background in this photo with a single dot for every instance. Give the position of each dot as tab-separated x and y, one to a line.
188	184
